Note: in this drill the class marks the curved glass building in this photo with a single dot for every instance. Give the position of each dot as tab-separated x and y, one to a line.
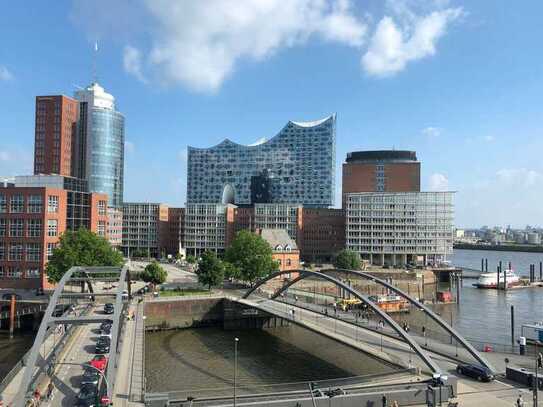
295	166
100	143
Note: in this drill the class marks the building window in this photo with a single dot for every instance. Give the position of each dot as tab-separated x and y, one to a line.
50	248
1	271
17	204
32	273
14	272
2	251
33	227
3	204
52	204
288	262
3	223
33	252
15	252
52	227
16	228
35	204
101	228
102	209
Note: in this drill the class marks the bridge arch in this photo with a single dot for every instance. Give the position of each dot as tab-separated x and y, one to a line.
434	368
463	342
85	275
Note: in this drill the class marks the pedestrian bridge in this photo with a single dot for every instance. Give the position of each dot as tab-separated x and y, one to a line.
345	331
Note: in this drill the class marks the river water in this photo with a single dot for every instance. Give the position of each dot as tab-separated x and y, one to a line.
484	315
11	350
203	358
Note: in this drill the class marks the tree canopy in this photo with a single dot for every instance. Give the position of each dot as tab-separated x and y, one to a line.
251	256
210	270
81	248
154	273
347	259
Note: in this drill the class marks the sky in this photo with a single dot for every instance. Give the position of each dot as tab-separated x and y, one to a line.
458	81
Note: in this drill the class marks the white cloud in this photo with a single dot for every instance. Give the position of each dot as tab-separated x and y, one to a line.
129	147
132	61
5	74
431	132
518	177
199	43
438	182
394	44
488	138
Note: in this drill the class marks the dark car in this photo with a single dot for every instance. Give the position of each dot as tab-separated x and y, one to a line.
90	376
103	340
88	395
104	325
477	372
101	348
108	308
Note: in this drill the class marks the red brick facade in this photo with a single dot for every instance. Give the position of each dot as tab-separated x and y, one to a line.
32	219
56	119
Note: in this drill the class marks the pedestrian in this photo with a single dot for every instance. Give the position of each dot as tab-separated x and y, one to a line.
384	401
50	389
395	404
520	401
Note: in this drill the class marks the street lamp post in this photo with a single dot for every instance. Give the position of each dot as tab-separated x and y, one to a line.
236	340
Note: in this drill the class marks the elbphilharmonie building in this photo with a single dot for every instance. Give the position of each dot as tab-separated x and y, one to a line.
295	166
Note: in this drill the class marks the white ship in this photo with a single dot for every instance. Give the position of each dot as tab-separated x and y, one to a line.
490	280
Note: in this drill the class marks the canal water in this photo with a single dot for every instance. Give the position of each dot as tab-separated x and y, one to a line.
203	358
11	350
484	315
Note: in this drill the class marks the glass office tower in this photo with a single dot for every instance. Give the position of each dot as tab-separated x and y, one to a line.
100	143
295	166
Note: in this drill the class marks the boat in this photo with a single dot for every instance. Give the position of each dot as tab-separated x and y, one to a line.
490	280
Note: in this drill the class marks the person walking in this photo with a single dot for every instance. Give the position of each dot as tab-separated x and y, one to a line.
520	401
50	389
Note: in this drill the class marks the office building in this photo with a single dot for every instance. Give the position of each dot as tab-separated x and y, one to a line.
56	119
34	212
295	166
100	143
381	171
150	229
400	228
319	233
115	227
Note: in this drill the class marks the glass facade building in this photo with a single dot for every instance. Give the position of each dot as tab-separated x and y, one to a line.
401	227
100	143
295	166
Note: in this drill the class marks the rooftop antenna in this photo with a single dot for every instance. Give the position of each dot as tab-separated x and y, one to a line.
94	60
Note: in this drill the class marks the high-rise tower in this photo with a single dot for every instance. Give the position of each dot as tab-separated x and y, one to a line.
56	118
100	143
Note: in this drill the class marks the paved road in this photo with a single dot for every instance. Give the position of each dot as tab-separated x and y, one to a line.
175	274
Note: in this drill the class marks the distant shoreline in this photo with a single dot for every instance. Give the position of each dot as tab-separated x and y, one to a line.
500	248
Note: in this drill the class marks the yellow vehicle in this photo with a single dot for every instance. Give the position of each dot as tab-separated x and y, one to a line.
349	303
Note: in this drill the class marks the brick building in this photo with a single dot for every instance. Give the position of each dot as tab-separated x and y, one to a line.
284	249
322	234
34	212
381	171
55	130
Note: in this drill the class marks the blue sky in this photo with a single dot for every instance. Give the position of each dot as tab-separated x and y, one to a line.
459	82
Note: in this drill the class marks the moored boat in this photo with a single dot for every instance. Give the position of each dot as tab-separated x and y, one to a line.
490	280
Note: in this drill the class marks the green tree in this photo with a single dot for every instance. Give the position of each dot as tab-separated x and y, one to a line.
191	259
347	259
154	273
81	248
178	256
210	270
230	271
251	255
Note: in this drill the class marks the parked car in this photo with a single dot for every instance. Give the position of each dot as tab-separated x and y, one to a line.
90	376
105	333
99	362
108	308
105	325
101	348
475	371
88	395
125	295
